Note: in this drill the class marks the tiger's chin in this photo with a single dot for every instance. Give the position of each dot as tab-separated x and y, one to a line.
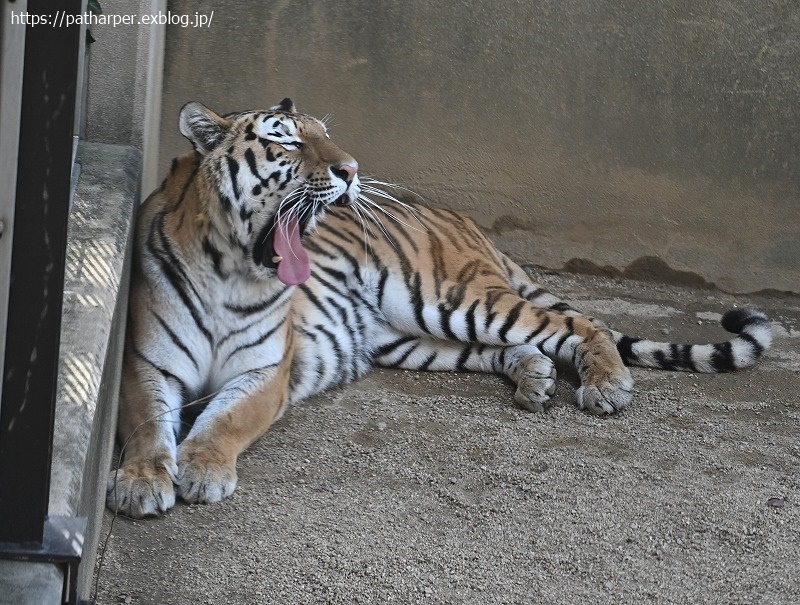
350	196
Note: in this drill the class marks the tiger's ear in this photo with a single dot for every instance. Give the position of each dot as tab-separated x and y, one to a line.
204	128
286	105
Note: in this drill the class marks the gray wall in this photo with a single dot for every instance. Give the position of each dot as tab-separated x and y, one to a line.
123	100
594	131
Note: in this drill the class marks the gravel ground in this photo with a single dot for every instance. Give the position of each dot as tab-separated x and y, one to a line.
434	488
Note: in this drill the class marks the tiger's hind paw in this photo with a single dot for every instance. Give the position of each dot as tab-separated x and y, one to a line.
141	489
608	398
537	385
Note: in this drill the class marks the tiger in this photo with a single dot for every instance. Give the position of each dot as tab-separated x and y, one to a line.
267	269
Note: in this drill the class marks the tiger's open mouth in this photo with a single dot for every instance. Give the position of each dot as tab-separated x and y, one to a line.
279	245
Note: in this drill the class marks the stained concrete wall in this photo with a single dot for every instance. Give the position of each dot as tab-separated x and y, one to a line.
123	100
587	134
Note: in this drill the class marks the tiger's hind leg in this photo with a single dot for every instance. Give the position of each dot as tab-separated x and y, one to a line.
594	398
491	312
534	292
533	372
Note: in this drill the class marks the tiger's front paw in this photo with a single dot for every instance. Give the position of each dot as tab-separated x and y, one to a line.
139	489
204	476
608	396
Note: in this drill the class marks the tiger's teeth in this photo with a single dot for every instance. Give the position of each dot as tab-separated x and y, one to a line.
276	259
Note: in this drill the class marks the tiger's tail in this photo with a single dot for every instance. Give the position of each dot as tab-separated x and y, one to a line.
753	337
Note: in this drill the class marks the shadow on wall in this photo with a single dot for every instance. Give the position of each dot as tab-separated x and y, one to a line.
609	131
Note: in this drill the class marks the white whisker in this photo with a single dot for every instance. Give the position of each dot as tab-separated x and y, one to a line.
391	215
369	181
375	219
367	245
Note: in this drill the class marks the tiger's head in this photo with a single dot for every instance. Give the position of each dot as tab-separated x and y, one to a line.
274	172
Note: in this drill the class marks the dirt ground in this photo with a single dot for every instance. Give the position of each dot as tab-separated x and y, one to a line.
434	488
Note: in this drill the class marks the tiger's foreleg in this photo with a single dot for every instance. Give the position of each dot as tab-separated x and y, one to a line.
149	421
532	372
203	467
238	415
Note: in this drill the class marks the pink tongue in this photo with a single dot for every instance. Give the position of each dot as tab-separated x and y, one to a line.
294	268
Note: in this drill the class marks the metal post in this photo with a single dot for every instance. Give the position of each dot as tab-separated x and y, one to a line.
37	273
12	52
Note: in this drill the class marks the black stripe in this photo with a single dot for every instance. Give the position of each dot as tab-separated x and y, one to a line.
722	357
355	333
287	178
275	174
472	333
544	323
337	350
344	253
339	276
175	340
233	169
342	311
392	346
454	298
166	250
250	157
241	330
260	340
427	363
625	348
445	313
382	285
663	362
560	307
757	348
215	255
511	319
311	245
176	284
682	357
417	303
250	309
500	360
365	227
328	284
401	229
297	373
570	331
438	272
536	294
469	271
355	238
405	355
163	371
187	184
488	303
315	301
463	358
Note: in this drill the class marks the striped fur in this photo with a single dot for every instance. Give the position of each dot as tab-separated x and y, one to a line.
228	306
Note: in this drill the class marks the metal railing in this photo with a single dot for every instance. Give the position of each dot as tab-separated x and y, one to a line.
40	101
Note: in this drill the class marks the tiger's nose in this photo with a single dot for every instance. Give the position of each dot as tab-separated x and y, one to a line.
346	171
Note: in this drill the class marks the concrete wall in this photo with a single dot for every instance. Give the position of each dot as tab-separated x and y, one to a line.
123	103
587	133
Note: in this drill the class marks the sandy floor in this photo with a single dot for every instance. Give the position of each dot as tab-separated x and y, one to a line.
435	488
